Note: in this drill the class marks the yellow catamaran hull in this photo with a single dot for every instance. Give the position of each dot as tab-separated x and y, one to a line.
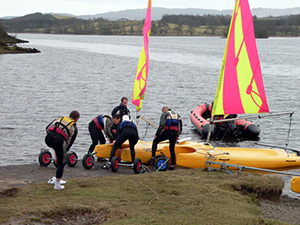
194	155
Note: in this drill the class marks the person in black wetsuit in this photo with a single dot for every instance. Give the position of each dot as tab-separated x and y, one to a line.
126	130
61	134
170	127
121	109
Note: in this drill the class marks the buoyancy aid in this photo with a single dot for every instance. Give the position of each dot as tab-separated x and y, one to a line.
127	123
99	122
64	126
172	122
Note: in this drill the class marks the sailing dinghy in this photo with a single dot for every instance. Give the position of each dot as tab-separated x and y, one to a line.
240	88
240	91
241	73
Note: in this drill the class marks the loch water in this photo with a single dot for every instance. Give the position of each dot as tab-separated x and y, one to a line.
91	73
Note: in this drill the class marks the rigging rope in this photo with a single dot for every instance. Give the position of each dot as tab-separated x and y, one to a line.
289	131
147	125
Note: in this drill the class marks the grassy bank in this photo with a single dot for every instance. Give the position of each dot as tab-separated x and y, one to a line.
177	197
4	49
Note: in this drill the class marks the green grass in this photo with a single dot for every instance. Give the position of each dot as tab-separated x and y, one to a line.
175	197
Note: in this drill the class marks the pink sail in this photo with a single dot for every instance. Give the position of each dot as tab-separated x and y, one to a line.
240	88
140	82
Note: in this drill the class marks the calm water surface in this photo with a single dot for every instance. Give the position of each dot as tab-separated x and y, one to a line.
91	73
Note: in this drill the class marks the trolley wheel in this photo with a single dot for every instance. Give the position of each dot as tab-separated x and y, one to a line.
114	163
137	166
87	161
160	161
45	157
71	159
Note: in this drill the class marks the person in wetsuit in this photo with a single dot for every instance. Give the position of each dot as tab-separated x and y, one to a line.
126	130
121	109
170	127
61	134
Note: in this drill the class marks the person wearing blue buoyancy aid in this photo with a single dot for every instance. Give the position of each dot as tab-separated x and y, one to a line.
126	130
170	127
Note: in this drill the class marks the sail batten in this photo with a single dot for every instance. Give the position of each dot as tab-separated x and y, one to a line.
240	88
140	82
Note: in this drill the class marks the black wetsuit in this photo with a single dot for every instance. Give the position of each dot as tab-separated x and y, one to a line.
57	142
96	135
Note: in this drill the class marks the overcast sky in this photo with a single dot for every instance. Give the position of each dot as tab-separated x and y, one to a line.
91	7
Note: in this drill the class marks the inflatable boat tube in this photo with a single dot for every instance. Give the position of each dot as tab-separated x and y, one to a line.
200	117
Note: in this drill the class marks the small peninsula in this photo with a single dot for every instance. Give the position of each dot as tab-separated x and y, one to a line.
8	44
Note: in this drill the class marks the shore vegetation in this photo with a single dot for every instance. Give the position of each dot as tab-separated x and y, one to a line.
8	44
182	196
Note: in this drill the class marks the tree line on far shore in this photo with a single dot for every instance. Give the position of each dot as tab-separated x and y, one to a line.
169	25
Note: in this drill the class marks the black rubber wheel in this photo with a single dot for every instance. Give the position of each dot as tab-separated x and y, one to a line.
137	166
160	161
45	158
114	163
87	161
72	159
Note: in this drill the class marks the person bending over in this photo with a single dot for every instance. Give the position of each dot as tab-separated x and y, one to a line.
96	126
126	130
61	134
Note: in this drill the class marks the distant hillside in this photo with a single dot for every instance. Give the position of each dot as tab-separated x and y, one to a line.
168	25
158	12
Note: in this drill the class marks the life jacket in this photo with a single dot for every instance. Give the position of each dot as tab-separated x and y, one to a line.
172	122
64	126
127	123
108	123
99	122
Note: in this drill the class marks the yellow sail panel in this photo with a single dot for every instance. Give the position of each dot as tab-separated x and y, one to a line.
140	82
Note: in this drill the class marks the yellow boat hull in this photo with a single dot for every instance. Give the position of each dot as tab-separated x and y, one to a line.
194	155
295	184
142	150
260	158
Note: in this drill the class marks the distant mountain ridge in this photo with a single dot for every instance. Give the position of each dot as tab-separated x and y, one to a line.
158	12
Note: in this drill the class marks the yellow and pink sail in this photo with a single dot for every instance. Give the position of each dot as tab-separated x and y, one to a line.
140	82
240	88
